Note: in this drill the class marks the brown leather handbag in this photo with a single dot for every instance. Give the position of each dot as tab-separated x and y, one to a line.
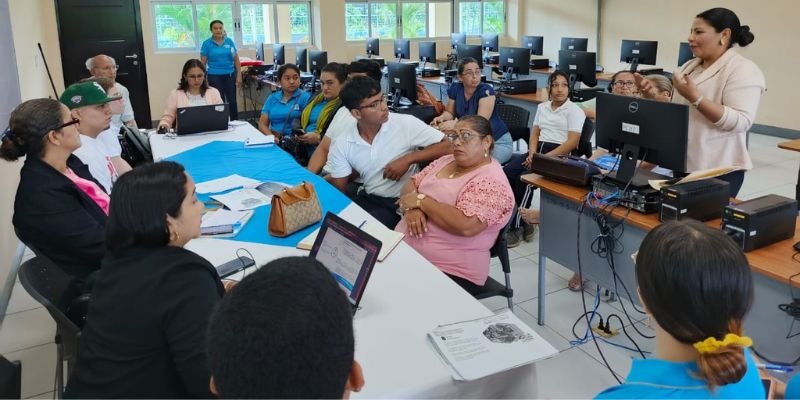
294	209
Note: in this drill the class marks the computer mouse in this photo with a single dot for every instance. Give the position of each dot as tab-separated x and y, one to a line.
797	247
162	130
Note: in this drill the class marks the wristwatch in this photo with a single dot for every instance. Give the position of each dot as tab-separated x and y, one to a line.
420	197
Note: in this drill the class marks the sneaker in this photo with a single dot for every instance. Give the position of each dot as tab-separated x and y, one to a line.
528	230
513	237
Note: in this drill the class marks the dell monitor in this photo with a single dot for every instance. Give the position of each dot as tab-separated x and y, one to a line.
535	43
316	60
427	53
457	39
684	53
470	50
641	129
260	51
373	47
635	52
574	44
490	41
402	82
579	66
515	60
278	54
402	49
301	59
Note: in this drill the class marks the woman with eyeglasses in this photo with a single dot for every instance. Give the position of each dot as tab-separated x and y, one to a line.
193	90
622	83
456	206
470	96
60	210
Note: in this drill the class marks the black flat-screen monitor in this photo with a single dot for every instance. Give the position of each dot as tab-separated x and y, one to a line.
684	53
637	52
402	82
301	59
260	51
579	66
641	129
278	54
457	39
316	60
574	44
515	60
490	41
427	52
535	43
402	49
470	50
373	47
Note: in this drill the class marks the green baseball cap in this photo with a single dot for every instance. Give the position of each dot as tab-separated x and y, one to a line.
85	94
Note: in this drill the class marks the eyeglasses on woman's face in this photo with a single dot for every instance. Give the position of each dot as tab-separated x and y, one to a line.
66	124
464	135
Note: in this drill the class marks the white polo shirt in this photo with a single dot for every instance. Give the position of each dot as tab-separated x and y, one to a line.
343	121
400	135
110	138
96	156
554	124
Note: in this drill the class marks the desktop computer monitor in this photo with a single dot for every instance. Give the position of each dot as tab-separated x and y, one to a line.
515	60
579	66
278	54
316	60
574	44
490	41
635	52
641	129
684	53
535	43
427	52
470	50
457	39
260	51
301	59
402	49
402	82
373	47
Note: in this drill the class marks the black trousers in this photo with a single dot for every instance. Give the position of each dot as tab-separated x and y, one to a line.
384	209
226	84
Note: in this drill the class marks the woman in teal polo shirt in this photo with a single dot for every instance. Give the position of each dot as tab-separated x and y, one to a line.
284	106
221	59
696	285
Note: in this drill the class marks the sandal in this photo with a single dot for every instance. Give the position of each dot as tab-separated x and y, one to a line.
576	283
528	215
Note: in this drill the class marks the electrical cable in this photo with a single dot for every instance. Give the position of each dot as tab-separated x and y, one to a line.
241	258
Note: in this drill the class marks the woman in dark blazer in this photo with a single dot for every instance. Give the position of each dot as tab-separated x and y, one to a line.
60	210
151	300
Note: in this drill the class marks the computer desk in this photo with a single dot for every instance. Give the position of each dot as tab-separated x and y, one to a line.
793	145
773	268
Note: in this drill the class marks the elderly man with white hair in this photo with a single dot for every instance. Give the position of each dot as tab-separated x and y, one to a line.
102	65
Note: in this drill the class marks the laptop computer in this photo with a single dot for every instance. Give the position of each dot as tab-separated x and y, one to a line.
349	253
201	119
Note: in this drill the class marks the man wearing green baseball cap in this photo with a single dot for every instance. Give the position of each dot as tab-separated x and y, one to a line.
88	103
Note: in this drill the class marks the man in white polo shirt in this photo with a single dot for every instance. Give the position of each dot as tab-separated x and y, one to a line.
382	149
88	103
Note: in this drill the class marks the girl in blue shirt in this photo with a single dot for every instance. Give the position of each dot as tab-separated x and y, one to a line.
696	286
320	110
221	58
285	106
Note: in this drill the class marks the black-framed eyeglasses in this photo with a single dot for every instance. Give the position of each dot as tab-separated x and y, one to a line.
66	124
375	104
464	135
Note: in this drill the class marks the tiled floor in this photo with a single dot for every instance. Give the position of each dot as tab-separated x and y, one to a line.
27	330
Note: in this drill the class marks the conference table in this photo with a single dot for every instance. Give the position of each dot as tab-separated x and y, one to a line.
406	296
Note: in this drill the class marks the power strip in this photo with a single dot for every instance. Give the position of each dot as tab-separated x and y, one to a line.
607	335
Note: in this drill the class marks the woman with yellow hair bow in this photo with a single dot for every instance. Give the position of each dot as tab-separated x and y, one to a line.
696	285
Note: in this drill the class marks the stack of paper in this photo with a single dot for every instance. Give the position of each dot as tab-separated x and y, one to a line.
389	238
482	347
226	183
221	222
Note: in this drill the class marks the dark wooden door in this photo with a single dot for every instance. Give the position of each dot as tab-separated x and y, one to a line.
112	27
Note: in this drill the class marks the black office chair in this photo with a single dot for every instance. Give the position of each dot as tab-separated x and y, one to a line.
516	119
585	144
492	287
57	292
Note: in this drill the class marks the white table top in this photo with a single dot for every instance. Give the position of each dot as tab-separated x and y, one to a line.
405	298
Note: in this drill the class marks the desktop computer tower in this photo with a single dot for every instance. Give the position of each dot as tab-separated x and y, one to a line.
702	200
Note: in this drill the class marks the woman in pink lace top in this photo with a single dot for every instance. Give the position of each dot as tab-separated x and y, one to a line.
455	208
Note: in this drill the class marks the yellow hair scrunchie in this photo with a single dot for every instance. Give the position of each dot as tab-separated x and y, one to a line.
712	345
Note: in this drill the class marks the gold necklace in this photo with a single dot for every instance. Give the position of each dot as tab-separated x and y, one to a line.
457	172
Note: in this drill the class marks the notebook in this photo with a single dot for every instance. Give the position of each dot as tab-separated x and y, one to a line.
201	119
348	253
388	238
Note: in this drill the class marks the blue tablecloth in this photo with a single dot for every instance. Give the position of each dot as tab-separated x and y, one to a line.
220	159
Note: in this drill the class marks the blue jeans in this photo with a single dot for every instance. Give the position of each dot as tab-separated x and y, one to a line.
226	84
503	147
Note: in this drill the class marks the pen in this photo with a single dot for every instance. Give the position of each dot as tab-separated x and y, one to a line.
775	367
362	224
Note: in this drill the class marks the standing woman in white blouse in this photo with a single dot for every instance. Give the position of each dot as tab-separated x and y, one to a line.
723	88
193	90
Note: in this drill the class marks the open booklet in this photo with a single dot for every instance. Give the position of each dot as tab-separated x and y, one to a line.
694	176
485	346
250	196
389	238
